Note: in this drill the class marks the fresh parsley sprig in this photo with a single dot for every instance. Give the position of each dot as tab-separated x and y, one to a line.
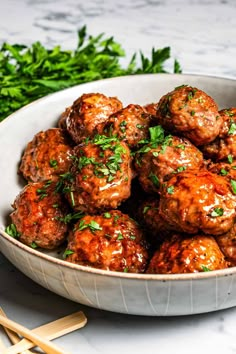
28	73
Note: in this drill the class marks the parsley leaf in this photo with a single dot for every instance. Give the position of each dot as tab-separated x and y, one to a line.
28	73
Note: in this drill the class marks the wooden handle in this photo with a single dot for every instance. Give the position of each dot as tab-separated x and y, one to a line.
46	345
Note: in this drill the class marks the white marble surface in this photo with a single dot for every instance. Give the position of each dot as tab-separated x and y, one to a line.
202	35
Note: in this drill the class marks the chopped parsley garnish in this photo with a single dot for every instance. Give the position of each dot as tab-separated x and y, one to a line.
42	192
126	269
233	185
192	113
154	179
230	158
180	146
156	134
146	208
11	230
67	253
223	172
217	212
70	217
93	226
205	269
33	245
53	163
107	215
140	126
170	190
232	127
181	169
120	236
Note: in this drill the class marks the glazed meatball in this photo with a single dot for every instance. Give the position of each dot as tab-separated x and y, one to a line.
157	228
39	216
191	113
224	145
130	124
187	254
157	162
227	170
151	108
100	175
112	241
47	156
87	112
198	201
63	118
227	244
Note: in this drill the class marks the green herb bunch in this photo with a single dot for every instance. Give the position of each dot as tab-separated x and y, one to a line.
28	73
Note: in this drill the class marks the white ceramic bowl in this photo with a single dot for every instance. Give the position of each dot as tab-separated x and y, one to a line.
140	294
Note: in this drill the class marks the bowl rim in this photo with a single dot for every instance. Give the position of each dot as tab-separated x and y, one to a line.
87	269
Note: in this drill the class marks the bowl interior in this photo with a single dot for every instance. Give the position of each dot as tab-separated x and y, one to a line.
18	129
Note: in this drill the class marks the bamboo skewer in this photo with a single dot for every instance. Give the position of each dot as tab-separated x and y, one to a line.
12	335
47	346
48	331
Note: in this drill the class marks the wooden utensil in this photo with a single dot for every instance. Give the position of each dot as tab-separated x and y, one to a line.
47	346
51	330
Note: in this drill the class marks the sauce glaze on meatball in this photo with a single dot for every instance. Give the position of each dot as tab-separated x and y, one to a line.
47	156
191	113
198	201
39	214
129	124
225	144
100	175
112	241
87	112
187	254
157	163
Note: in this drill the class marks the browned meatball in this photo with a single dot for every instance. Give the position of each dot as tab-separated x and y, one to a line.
191	113
227	244
112	241
130	124
87	112
224	146
63	118
187	254
39	216
227	170
47	156
100	175
151	108
157	162
198	201
157	228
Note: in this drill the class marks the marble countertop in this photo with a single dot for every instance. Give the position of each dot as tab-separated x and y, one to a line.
202	36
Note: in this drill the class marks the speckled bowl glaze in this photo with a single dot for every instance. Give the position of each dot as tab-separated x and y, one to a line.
138	294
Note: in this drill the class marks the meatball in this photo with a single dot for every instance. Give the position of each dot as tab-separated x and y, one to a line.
47	156
227	170
100	175
191	113
87	112
224	145
198	201
157	162
187	254
149	216
130	124
39	216
151	108
63	118
227	244
112	241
